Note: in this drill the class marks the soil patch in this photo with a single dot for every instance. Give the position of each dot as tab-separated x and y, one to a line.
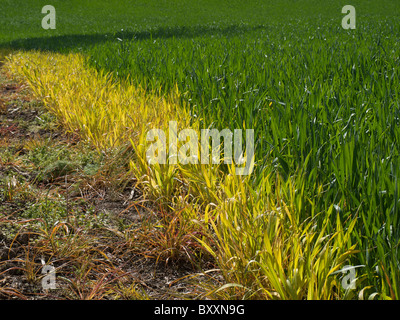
86	233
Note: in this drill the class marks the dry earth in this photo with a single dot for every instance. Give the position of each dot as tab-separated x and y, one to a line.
82	224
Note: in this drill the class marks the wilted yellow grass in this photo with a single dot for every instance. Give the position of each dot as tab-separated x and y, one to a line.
103	110
106	111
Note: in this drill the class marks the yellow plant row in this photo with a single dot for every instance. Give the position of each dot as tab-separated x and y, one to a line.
102	109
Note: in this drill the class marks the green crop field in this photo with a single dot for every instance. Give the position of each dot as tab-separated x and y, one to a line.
324	103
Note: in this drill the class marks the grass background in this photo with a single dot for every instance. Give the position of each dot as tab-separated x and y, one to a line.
21	19
324	102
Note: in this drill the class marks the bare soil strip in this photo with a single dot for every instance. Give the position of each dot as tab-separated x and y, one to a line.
62	205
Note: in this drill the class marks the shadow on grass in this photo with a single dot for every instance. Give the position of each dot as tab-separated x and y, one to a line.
65	43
